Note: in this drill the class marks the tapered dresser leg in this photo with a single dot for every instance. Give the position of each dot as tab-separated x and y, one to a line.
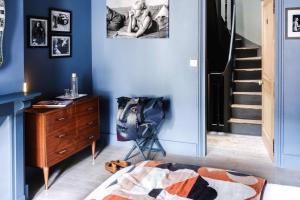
46	176
94	149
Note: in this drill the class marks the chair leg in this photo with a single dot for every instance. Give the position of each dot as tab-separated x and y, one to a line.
130	152
150	149
160	147
140	150
137	144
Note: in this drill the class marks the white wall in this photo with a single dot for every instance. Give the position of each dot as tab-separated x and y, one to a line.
248	23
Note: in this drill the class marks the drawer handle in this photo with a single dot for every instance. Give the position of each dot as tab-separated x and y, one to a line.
90	108
91	137
62	152
61	119
61	136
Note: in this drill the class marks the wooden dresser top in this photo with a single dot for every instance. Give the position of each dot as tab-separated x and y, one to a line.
50	110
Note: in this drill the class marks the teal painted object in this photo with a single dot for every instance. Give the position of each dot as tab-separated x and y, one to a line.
12	166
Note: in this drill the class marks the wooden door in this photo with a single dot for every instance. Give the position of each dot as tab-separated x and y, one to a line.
268	74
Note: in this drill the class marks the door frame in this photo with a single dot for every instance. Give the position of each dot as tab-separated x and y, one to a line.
202	84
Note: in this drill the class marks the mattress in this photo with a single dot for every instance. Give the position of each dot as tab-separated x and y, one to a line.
162	180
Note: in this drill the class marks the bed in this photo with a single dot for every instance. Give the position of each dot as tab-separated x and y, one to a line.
162	180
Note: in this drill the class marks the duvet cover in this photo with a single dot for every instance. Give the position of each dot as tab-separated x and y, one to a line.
151	180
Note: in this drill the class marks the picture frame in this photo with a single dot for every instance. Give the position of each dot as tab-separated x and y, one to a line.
60	46
2	29
60	20
37	32
292	23
122	18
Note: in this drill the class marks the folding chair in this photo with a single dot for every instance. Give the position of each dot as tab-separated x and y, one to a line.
139	120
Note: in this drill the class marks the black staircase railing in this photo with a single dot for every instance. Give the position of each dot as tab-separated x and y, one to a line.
220	73
228	73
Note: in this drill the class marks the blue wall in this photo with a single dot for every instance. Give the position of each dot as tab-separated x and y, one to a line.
158	67
12	71
291	101
52	76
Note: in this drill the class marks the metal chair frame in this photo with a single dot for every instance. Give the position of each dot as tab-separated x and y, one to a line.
146	143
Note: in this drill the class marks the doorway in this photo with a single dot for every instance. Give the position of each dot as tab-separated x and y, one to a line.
244	127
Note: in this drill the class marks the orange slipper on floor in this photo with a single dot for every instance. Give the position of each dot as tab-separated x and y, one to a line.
121	163
111	167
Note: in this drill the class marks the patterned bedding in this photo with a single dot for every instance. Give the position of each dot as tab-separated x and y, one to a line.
151	180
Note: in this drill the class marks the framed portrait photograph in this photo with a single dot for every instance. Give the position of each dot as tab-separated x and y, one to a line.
137	19
61	46
60	21
37	32
292	23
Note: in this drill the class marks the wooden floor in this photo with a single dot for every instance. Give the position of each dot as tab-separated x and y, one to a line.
76	177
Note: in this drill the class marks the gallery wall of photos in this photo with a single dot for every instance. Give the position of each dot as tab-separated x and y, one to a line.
53	32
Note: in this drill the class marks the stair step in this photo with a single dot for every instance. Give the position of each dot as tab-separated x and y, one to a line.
249	58
248	93
245	126
248	62
243	52
247	86
247	73
249	69
246	48
239	42
244	106
248	98
243	111
245	121
247	81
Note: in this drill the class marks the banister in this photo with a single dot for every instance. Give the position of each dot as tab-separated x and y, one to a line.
232	37
227	73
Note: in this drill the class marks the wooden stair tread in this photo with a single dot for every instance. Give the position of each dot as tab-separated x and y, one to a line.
245	48
249	69
248	58
247	81
248	93
245	121
244	106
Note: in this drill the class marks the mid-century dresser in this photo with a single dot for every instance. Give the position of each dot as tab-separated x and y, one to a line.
53	135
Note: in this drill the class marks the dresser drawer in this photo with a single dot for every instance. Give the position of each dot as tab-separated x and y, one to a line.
60	118
87	138
60	154
60	140
88	122
87	107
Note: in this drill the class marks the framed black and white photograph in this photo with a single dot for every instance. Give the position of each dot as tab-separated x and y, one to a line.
137	18
37	31
61	46
2	27
60	20
293	23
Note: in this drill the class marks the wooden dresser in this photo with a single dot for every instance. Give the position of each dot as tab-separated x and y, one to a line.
52	135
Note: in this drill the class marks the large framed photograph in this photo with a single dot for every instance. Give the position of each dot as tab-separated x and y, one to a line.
293	23
60	20
37	32
61	46
137	18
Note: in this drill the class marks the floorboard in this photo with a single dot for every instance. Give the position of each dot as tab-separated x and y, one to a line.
78	176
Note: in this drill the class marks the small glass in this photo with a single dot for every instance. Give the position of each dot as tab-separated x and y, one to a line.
67	93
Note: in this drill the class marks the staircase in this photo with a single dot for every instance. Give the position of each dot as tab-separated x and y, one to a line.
246	110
